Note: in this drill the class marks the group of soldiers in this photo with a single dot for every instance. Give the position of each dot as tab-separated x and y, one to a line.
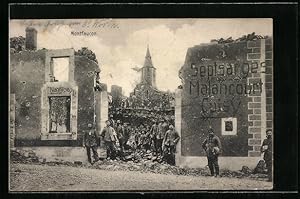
162	139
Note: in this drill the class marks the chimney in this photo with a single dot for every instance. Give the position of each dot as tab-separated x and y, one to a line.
31	38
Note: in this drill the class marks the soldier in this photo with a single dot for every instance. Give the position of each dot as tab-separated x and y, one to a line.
112	121
146	139
132	140
212	147
90	142
121	137
120	133
266	148
159	138
109	136
169	144
126	134
164	126
153	133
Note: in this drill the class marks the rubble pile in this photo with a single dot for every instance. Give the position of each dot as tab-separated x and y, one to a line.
30	157
149	166
142	161
23	156
249	37
163	168
142	155
244	172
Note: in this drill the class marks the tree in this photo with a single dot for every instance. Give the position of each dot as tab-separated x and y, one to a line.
17	44
84	51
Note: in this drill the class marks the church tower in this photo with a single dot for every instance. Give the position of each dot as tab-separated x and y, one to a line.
148	71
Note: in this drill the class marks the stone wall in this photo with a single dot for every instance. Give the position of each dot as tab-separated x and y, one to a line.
27	77
84	78
212	93
27	71
225	82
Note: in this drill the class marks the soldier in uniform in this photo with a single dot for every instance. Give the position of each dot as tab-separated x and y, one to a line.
164	126
90	142
266	148
159	137
169	145
110	138
153	133
121	137
126	134
212	147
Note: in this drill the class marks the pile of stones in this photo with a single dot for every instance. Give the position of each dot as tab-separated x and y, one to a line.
143	161
23	156
140	156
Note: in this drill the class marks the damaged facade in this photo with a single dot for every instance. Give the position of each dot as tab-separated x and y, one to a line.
227	87
53	103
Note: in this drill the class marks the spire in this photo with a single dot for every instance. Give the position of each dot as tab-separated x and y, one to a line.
148	52
148	71
148	61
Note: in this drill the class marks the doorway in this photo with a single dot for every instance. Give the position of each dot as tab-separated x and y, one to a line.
59	114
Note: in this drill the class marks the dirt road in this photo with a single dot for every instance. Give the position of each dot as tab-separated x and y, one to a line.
26	177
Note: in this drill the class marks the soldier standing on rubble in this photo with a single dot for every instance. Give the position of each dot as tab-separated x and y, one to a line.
132	139
109	136
126	134
266	148
121	137
113	123
159	138
165	126
169	145
153	133
212	147
90	143
147	138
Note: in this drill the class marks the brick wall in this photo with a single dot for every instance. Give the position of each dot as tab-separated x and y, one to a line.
269	83
260	108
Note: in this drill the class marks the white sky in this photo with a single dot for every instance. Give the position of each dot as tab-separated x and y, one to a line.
120	49
61	69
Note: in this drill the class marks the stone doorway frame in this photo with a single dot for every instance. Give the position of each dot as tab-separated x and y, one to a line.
57	89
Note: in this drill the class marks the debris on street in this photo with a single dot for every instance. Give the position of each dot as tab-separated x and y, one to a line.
143	161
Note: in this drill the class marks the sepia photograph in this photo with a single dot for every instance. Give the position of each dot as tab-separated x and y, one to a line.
140	104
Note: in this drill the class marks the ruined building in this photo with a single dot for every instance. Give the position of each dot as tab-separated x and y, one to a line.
226	87
52	98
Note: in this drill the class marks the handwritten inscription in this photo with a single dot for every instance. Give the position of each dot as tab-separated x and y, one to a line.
73	24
